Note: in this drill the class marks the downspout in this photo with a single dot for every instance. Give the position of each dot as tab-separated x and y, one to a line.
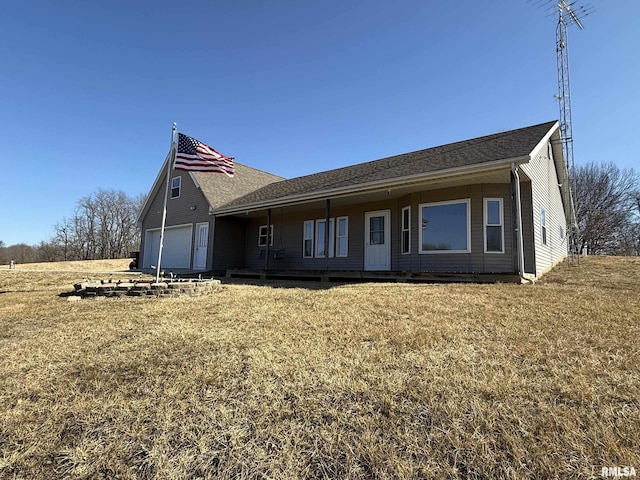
519	236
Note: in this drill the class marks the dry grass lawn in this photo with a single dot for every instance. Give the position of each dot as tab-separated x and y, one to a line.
309	381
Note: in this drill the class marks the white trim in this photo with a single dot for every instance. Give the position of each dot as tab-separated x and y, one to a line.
332	242
169	227
162	175
148	247
194	180
387	238
371	187
345	236
544	232
305	238
544	140
179	177
402	230
269	235
466	201
195	246
485	223
518	226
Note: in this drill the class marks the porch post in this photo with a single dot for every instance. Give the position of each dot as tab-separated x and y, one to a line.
266	253
326	234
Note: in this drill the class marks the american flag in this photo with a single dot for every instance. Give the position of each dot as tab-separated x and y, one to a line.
193	155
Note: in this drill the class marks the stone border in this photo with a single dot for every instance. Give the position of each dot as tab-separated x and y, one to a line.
143	289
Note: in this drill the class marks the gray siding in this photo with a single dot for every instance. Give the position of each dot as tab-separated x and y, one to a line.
179	211
477	260
527	227
228	247
288	235
546	195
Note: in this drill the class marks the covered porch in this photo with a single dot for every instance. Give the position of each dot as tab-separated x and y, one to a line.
277	244
337	276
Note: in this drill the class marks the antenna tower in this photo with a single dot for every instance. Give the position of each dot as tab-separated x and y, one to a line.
568	13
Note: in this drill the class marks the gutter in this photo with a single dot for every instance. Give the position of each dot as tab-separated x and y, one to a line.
520	236
369	187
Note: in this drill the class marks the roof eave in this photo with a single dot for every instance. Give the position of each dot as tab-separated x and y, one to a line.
543	141
369	186
149	200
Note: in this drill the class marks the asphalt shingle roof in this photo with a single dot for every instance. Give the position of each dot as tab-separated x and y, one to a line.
219	189
476	151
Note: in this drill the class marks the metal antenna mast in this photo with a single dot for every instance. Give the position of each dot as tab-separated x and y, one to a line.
568	14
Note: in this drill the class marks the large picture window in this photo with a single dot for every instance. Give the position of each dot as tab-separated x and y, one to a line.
493	225
445	227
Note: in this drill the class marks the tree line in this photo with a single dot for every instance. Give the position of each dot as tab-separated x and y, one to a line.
103	225
607	205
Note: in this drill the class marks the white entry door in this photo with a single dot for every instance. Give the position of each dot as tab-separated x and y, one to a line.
377	240
200	246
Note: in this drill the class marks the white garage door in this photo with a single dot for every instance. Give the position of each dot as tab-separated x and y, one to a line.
176	252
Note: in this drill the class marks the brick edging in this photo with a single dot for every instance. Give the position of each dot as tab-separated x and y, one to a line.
142	289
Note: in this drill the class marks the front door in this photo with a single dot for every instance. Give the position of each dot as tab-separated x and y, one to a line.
377	240
200	246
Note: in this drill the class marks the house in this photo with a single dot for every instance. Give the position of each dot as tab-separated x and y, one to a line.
495	204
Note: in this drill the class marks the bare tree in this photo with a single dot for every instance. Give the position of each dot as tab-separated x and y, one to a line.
21	253
605	197
102	226
49	252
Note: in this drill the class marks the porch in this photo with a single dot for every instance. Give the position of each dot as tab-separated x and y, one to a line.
341	276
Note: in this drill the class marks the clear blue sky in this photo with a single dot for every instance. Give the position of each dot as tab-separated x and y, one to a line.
89	90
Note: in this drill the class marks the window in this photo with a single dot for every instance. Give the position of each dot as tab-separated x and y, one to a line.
314	236
493	225
445	227
376	230
307	241
406	230
342	237
543	225
265	237
176	182
320	237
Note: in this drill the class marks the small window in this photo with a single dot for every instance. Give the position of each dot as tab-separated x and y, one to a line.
176	182
376	230
543	225
320	237
406	230
265	236
493	225
342	237
446	227
307	242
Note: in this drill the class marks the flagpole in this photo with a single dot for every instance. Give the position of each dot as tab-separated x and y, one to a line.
170	159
